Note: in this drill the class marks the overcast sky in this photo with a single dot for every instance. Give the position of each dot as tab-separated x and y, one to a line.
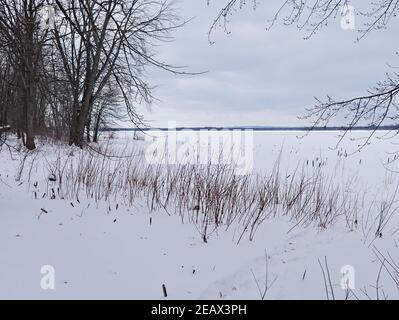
259	77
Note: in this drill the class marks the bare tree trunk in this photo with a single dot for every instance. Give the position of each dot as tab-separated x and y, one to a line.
29	114
29	77
97	127
88	124
81	120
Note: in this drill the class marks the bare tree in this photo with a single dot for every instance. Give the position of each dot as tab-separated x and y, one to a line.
22	44
107	111
55	77
102	40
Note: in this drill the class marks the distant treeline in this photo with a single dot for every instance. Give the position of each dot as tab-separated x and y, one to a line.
260	128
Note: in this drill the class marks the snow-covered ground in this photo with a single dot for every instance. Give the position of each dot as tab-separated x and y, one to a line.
107	250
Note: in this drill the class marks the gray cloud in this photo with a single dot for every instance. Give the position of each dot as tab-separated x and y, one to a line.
259	77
